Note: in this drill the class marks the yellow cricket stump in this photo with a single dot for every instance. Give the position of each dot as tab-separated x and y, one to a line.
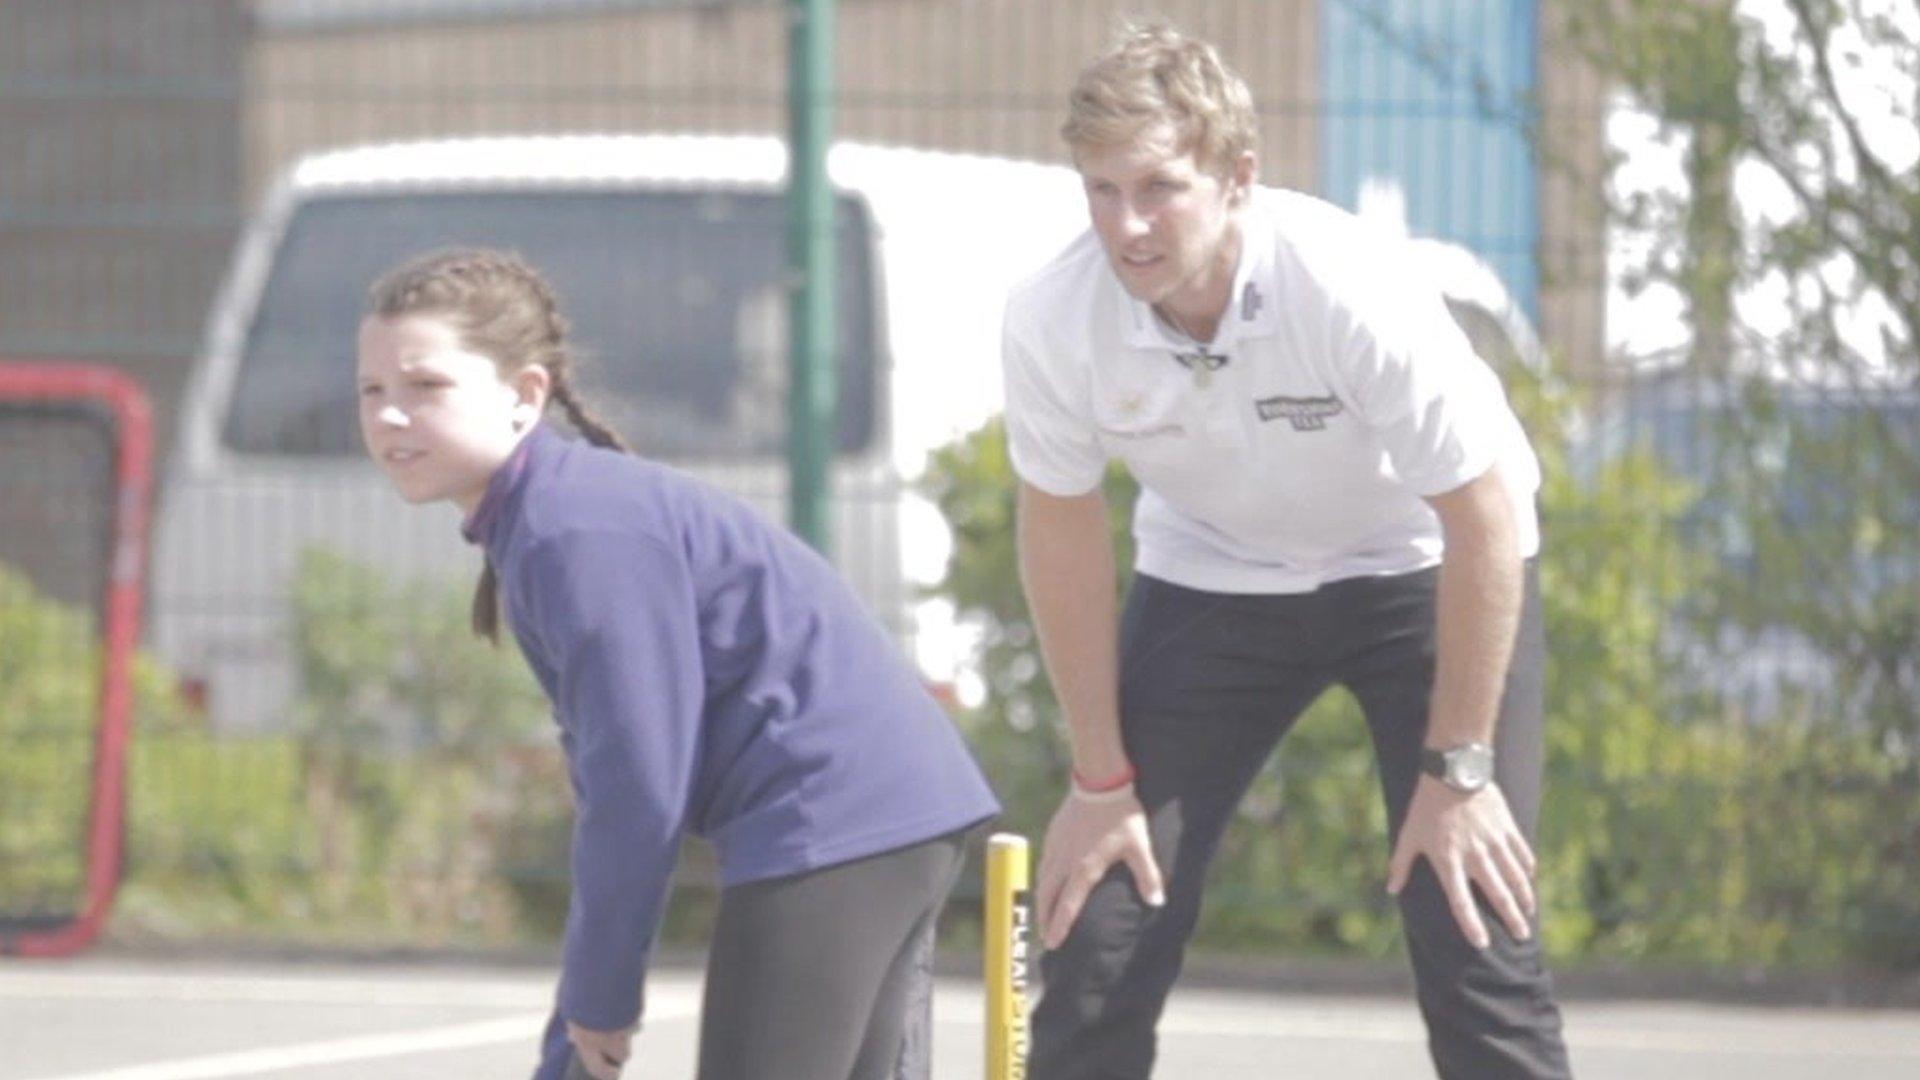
1008	927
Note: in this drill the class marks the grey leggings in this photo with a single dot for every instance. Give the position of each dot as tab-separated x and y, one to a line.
826	975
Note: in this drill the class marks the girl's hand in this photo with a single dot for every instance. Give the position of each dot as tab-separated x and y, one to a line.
601	1053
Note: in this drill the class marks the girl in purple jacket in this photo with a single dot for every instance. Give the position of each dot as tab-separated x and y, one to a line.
709	674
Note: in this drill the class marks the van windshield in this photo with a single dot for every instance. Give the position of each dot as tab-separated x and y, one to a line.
675	297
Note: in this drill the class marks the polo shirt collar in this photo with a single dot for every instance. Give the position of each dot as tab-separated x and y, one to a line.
1252	312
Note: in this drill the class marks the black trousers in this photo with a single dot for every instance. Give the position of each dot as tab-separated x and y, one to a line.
1210	683
826	975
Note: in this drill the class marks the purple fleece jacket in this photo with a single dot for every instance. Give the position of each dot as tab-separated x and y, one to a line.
709	674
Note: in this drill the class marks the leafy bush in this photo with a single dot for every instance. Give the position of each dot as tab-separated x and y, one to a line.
418	798
50	680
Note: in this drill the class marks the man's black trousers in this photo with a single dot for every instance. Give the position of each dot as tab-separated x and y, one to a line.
1210	683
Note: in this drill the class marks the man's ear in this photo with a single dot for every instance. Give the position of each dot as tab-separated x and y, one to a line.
1246	172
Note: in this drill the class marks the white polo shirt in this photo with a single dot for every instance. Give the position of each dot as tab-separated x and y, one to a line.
1347	393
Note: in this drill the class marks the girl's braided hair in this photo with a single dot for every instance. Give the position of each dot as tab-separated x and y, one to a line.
505	310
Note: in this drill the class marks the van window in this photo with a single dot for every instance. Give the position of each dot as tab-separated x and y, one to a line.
675	297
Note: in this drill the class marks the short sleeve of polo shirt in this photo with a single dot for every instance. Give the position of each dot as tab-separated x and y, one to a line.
1438	410
1050	431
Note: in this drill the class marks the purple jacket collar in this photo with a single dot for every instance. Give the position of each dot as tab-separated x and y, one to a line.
478	528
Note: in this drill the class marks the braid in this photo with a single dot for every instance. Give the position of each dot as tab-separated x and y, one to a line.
486	605
557	326
585	420
597	431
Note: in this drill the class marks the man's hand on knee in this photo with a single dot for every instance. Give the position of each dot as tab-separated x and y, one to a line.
1088	834
1470	839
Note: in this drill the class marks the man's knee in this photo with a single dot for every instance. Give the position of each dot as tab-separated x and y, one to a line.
1113	924
1122	954
1490	1012
1103	991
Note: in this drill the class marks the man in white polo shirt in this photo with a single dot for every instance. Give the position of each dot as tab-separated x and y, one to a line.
1334	490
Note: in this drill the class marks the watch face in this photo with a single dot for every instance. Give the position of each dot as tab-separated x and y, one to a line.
1470	767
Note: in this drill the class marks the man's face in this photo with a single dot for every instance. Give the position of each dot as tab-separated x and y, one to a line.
1166	223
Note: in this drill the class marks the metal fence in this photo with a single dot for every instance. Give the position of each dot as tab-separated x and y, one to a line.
1731	652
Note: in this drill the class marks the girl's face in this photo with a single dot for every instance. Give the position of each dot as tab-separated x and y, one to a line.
437	418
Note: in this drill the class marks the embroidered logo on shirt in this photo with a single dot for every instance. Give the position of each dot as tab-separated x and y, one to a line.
1250	302
1305	414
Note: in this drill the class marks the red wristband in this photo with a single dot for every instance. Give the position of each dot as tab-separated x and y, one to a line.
1115	783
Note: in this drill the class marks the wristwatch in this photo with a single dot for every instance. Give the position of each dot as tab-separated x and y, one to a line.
1465	768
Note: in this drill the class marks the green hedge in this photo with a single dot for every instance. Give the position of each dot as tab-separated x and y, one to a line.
50	672
416	798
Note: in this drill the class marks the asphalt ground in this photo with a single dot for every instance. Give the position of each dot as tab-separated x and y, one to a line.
174	1019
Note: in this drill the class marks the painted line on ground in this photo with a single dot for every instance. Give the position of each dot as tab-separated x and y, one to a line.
271	989
524	1028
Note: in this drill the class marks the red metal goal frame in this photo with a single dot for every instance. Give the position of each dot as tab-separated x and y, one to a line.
127	404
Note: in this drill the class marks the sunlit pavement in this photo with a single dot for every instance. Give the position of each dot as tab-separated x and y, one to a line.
119	1019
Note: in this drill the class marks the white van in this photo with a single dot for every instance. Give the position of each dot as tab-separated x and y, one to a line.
667	252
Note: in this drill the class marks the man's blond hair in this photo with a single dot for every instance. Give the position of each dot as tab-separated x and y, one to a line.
1156	75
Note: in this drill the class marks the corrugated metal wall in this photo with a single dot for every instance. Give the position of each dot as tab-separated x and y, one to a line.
1435	100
